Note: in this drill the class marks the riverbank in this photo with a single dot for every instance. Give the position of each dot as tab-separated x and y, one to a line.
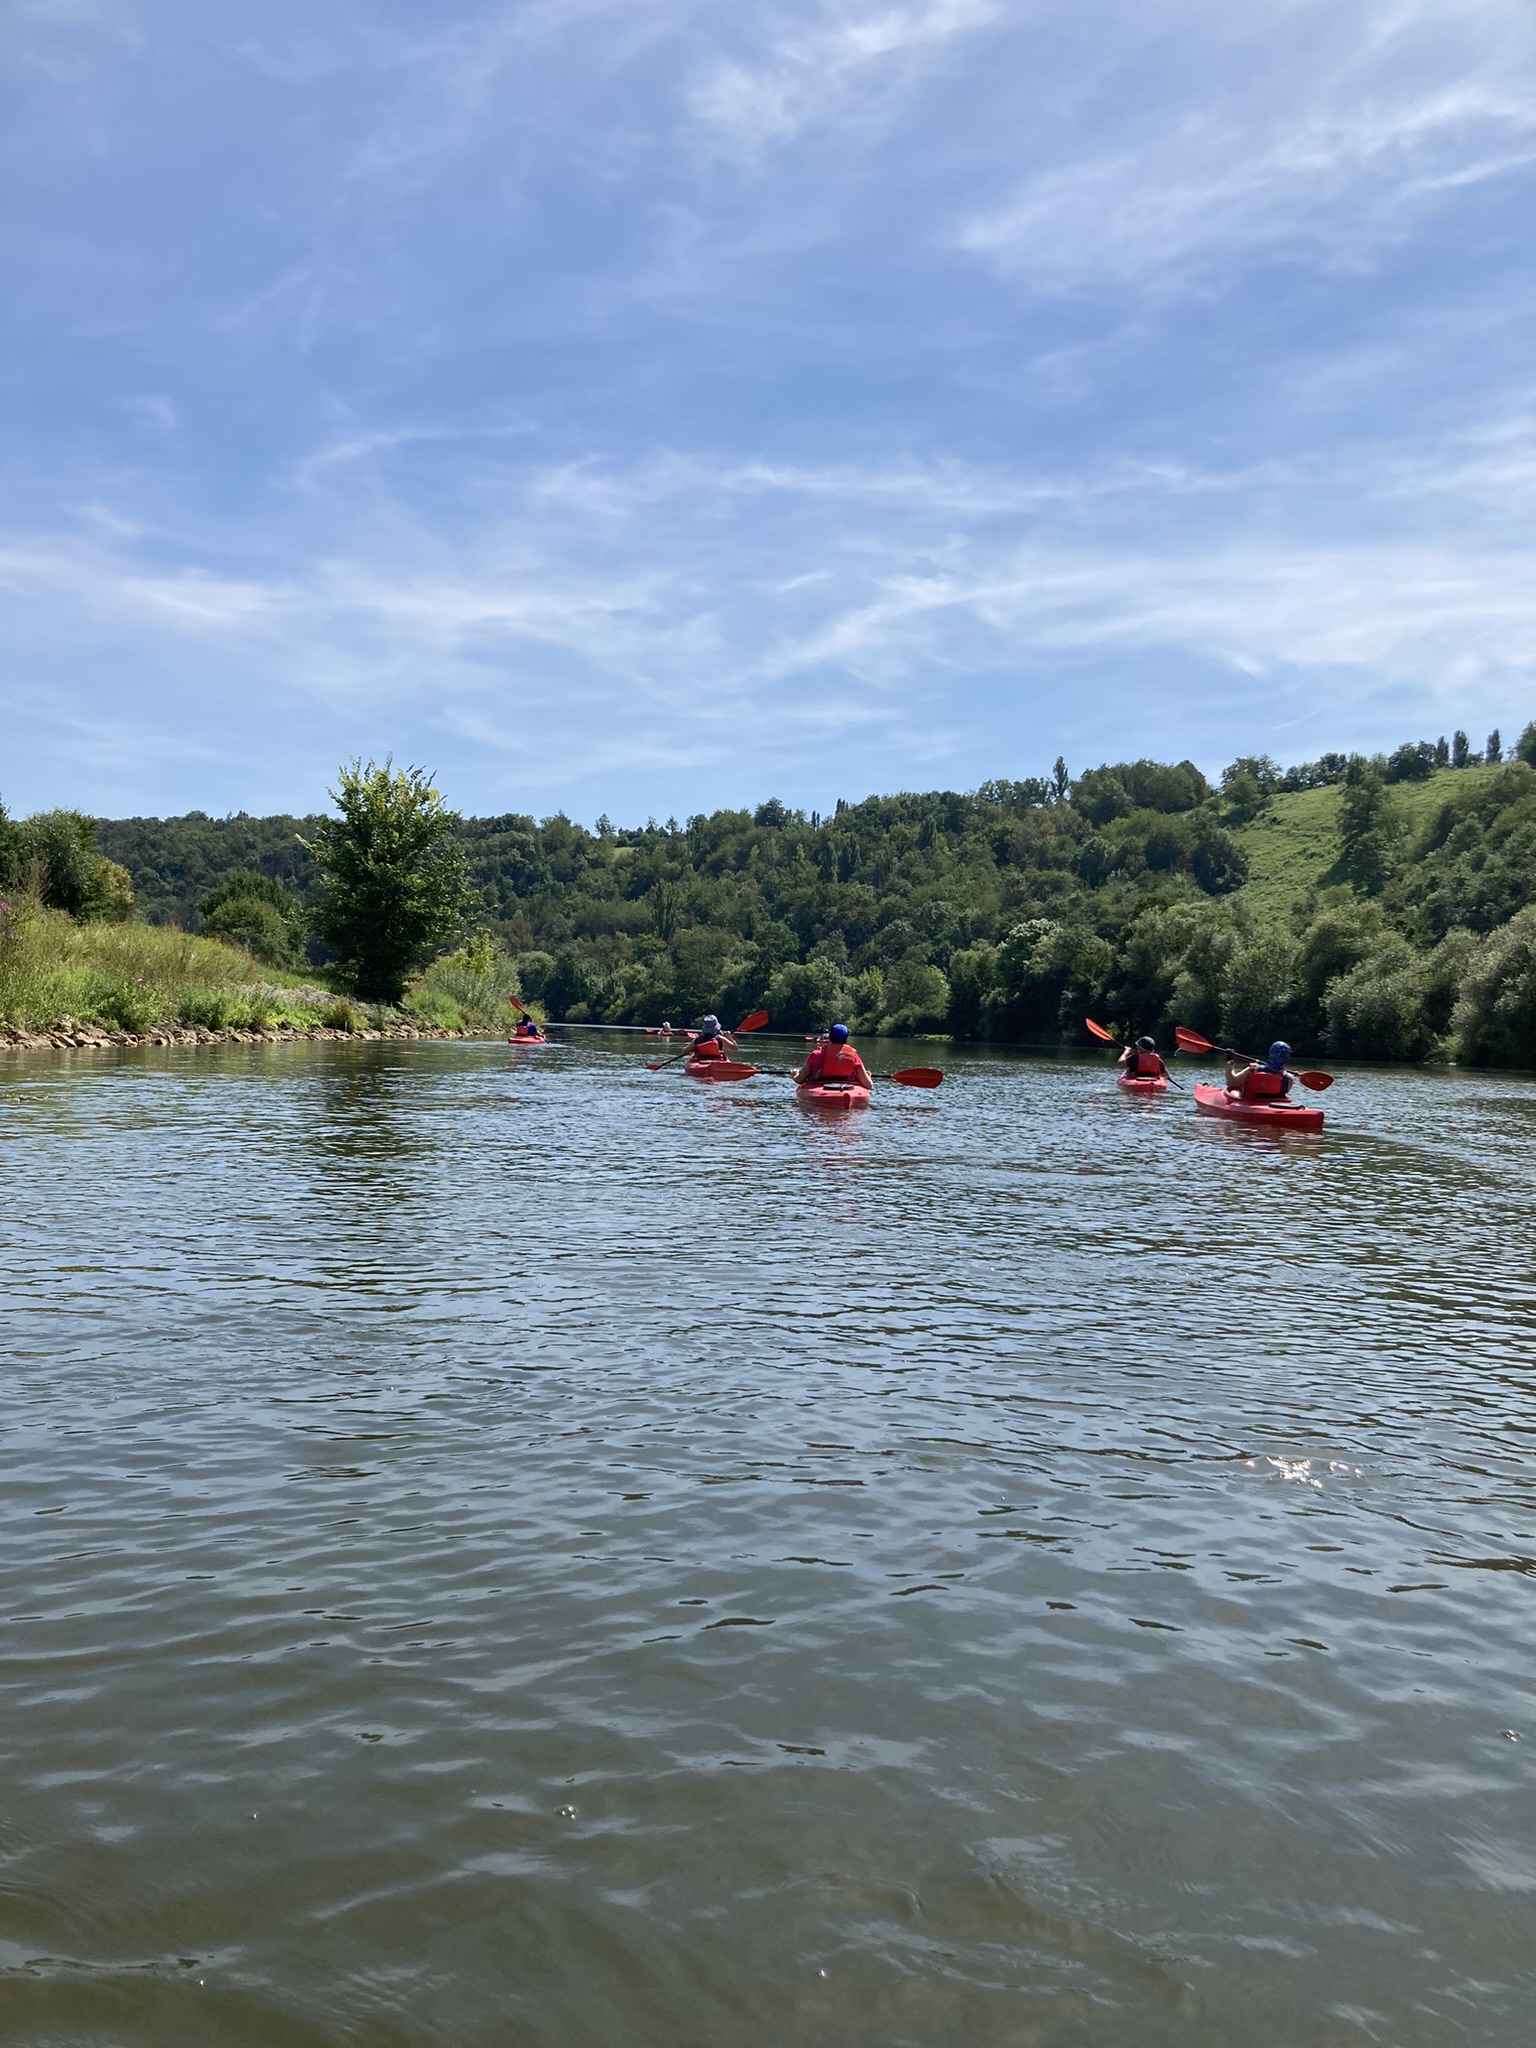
67	984
72	1037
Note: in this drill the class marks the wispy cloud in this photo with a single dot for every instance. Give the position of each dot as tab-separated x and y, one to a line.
813	64
1333	187
602	394
621	588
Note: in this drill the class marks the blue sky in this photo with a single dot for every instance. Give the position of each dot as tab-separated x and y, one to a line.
644	405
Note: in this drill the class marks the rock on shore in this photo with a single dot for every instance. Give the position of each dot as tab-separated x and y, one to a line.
71	1037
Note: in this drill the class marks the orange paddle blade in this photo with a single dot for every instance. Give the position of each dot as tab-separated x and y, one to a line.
755	1022
1099	1031
521	1008
1190	1041
918	1077
1316	1082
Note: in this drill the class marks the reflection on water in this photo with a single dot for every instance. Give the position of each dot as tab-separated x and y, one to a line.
509	1550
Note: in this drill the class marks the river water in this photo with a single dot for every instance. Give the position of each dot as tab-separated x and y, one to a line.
510	1548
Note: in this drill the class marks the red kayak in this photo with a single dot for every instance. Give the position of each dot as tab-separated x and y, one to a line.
718	1070
833	1095
1142	1084
515	1040
1273	1115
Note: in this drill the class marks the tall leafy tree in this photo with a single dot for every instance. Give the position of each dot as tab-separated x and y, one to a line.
393	882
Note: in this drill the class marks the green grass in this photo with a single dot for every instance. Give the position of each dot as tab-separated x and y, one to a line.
138	977
133	977
1292	846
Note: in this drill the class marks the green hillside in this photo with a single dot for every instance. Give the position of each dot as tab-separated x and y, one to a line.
1293	846
1373	908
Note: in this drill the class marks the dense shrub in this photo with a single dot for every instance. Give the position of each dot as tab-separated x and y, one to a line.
1495	1014
1379	1009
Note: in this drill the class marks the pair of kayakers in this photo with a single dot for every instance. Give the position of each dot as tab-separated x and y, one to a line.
834	1061
1248	1080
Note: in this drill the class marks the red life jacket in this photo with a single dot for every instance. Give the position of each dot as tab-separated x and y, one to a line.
1147	1063
1259	1081
837	1063
707	1049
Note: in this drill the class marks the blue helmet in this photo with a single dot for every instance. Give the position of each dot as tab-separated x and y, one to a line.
1277	1056
838	1034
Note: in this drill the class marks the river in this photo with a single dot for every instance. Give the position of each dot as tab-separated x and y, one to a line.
508	1548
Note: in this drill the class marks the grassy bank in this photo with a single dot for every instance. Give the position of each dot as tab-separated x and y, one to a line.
136	978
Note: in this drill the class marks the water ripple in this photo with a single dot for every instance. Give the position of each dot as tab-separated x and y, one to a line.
547	1552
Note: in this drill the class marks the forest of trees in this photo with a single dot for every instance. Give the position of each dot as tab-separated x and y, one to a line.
1006	913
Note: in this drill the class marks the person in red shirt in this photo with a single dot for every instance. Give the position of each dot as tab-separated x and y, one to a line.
835	1061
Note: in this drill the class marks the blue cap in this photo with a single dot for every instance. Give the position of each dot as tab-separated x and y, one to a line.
1279	1053
838	1034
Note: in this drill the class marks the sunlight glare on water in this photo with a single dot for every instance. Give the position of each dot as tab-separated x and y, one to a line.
509	1547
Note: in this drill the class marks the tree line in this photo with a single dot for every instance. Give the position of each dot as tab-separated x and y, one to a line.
1007	913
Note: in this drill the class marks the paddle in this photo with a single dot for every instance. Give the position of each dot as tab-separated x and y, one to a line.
904	1077
1109	1038
754	1022
1191	1041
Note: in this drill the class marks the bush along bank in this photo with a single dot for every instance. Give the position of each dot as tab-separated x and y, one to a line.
66	983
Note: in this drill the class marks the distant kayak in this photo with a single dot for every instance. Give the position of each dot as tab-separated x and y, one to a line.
1142	1084
534	1042
831	1095
718	1070
1275	1116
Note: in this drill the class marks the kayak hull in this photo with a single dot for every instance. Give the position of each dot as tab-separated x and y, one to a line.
718	1070
1269	1116
1141	1084
816	1096
534	1043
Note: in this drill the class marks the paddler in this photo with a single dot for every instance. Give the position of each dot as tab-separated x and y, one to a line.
711	1042
1260	1080
526	1028
1142	1061
836	1060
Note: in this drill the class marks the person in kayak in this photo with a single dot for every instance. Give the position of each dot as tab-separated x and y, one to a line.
526	1028
836	1060
1142	1061
712	1042
1260	1080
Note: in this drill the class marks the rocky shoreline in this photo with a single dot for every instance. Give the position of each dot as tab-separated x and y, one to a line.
71	1037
